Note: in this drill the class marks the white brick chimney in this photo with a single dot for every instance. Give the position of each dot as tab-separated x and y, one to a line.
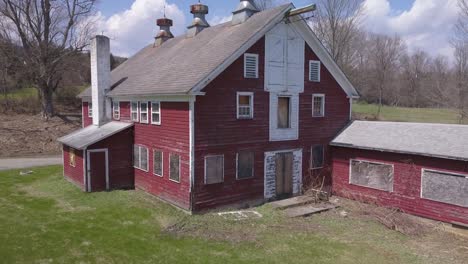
100	79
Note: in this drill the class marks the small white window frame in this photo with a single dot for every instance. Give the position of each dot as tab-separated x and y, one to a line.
146	121
116	109
137	112
322	106
319	70
312	157
212	156
140	147
162	163
172	180
156	112
251	95
90	109
256	56
237	167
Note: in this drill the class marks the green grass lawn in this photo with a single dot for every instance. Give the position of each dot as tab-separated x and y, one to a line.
403	114
45	219
23	94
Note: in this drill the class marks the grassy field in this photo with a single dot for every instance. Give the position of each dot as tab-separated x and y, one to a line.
22	94
403	114
44	219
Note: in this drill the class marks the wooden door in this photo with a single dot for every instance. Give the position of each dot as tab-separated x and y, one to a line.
284	174
98	171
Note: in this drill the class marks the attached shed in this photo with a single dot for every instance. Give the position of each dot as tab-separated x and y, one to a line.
421	169
99	158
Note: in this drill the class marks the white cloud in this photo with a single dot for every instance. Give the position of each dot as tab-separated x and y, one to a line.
219	20
134	28
427	25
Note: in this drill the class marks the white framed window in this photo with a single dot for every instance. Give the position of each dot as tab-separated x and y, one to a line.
214	169
140	157
116	110
284	112
245	106
444	187
250	66
144	112
318	105
156	113
174	168
158	163
317	157
314	71
134	111
370	174
245	165
90	109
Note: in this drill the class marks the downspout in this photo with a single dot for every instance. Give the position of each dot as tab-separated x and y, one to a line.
192	149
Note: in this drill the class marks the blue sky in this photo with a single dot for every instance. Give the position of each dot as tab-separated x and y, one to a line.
423	24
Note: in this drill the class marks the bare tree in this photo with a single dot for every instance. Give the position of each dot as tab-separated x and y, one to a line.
49	32
336	24
267	4
414	73
385	53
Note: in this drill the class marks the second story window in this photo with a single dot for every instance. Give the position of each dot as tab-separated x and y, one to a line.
90	109
156	113
144	112
250	66
134	111
116	110
284	112
245	105
318	105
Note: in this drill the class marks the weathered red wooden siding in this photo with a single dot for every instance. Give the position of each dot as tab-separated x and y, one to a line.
217	130
407	183
125	112
172	136
120	151
87	121
73	174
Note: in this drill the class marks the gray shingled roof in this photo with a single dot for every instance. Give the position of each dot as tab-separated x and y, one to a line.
434	140
181	63
89	135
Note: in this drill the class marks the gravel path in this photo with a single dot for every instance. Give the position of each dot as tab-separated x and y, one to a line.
22	163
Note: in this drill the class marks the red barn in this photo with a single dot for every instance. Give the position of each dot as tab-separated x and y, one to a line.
233	114
420	168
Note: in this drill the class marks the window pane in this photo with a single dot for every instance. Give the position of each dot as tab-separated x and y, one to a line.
90	110
134	106
155	118
136	156
174	168
284	112
317	157
155	107
157	162
144	158
318	106
244	100
245	165
214	169
373	175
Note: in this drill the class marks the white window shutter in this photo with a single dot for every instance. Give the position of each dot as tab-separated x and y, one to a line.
275	64
251	65
314	71
295	69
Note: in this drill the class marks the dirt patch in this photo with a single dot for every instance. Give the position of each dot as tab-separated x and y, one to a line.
29	135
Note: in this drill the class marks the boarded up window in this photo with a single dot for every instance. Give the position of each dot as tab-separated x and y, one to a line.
284	112
245	165
445	187
158	163
174	173
372	175
214	169
316	160
72	157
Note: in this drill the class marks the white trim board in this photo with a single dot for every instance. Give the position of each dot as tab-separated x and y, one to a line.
269	185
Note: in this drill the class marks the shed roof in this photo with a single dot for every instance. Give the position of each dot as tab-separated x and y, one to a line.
87	136
433	140
183	65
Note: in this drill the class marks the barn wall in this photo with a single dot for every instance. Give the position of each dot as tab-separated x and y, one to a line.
73	174
407	183
120	151
217	130
172	136
87	121
124	112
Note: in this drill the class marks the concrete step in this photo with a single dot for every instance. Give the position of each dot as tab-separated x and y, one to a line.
292	202
307	210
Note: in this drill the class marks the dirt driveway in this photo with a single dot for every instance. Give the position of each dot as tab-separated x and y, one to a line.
22	163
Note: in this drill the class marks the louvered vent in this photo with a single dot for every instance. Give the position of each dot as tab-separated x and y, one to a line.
314	71
251	66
